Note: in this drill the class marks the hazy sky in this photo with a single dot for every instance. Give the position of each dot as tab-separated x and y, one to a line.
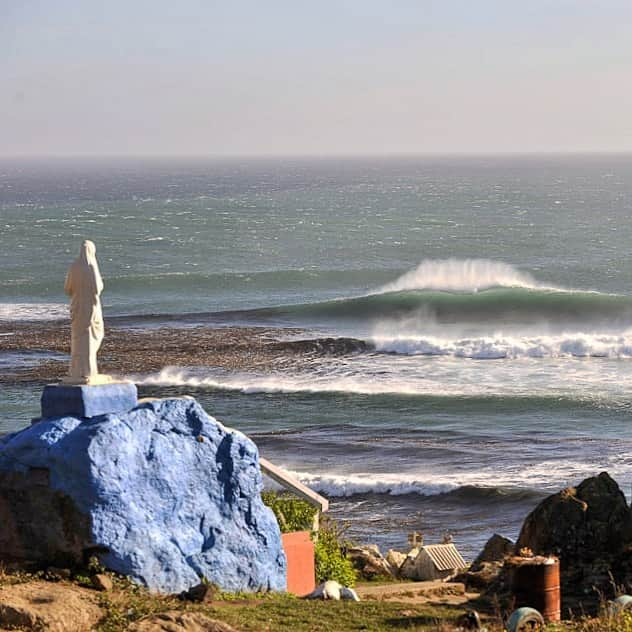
314	77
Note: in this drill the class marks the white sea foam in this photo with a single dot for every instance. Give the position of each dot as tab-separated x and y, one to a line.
342	485
577	344
543	475
281	383
461	275
598	381
32	311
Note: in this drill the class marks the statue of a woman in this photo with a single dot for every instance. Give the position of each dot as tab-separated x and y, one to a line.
84	285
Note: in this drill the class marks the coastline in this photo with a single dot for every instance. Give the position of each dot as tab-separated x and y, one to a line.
126	349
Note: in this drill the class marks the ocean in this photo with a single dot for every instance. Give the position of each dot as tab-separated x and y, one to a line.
487	302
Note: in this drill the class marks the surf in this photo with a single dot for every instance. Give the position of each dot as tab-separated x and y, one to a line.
575	345
461	275
453	291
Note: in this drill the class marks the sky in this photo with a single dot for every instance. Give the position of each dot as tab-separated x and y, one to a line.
325	77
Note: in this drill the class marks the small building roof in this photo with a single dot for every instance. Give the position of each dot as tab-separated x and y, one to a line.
445	557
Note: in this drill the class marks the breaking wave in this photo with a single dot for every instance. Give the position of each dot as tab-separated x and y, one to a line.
250	384
462	291
461	275
495	305
344	486
518	483
578	345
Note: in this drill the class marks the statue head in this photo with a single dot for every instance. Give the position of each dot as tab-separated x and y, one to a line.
84	272
87	252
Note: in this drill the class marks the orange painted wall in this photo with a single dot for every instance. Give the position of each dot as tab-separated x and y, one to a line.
299	551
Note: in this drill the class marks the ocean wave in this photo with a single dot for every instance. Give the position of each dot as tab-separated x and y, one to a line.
344	486
448	292
252	384
339	485
461	291
579	345
495	306
14	312
462	275
593	383
489	484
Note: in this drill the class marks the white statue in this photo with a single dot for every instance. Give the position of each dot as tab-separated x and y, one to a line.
84	285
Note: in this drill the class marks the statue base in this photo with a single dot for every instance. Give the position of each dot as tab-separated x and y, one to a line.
88	400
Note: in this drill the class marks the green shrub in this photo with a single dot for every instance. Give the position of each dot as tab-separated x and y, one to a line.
331	560
292	513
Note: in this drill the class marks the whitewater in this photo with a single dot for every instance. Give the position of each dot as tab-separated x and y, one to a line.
420	351
459	275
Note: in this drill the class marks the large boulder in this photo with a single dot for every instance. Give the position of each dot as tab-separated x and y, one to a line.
164	494
589	527
585	522
45	606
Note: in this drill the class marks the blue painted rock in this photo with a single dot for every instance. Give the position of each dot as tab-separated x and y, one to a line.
163	494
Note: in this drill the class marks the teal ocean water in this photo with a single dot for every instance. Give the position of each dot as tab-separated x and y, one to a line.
489	300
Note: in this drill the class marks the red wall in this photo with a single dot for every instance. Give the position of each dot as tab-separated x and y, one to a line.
299	551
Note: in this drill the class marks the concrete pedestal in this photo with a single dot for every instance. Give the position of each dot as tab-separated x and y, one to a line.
83	400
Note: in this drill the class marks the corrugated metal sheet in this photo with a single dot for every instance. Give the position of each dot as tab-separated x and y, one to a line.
445	556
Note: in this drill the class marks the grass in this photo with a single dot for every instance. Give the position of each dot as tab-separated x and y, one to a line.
278	612
262	613
128	603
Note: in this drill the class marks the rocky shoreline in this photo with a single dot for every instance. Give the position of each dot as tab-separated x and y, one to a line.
588	528
125	349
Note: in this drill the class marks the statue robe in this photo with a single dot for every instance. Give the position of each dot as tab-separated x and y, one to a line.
84	285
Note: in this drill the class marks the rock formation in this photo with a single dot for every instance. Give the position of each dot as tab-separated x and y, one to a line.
488	565
589	527
496	549
580	523
177	621
370	563
42	605
163	494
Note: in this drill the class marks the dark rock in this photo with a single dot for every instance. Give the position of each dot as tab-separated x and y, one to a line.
486	568
470	620
57	574
484	576
584	522
40	524
200	593
589	527
496	549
